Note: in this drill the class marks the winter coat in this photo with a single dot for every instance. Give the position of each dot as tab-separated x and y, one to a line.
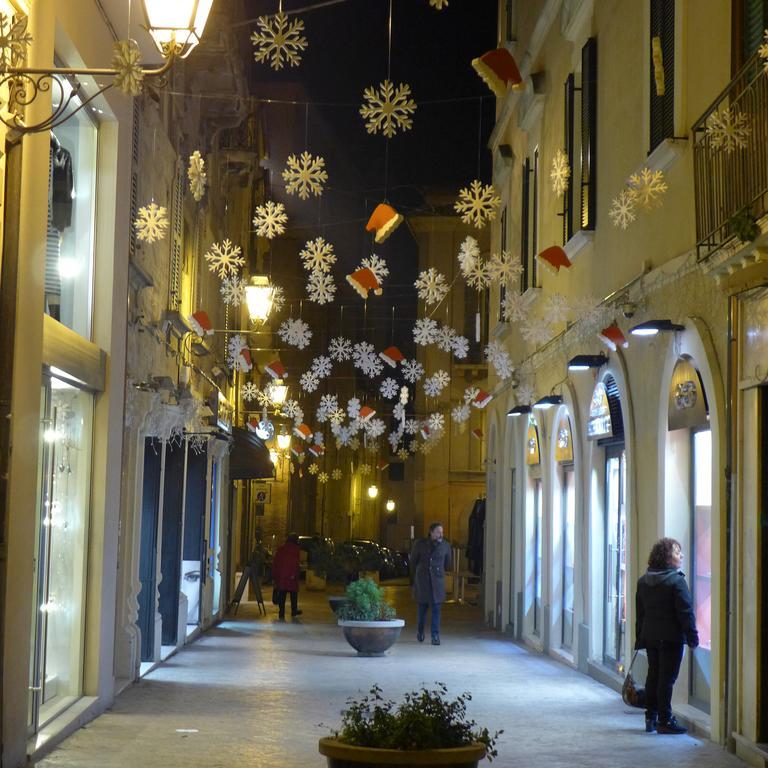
664	610
285	567
429	562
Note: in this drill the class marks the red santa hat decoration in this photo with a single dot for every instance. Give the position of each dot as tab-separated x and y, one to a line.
392	356
613	337
482	399
317	450
201	324
302	431
276	370
363	281
478	433
366	413
244	359
384	221
553	258
498	68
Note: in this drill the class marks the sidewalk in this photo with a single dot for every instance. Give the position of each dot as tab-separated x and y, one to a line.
253	691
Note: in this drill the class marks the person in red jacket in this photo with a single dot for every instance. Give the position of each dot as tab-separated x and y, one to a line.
285	573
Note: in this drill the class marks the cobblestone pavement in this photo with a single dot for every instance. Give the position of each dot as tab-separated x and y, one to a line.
252	693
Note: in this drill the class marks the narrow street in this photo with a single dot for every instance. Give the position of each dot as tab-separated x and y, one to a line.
254	692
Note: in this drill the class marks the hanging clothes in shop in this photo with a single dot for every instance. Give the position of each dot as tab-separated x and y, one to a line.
475	542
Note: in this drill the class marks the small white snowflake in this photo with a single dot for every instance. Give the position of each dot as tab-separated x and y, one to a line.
622	210
556	308
374	428
478	275
393	439
336	474
436	422
469	252
460	413
445	338
343	437
279	41
398	412
431	286
505	268
270	219
377	265
647	187
290	409
525	394
309	381
413	370
389	388
728	129
536	331
305	175
224	258
337	416
197	175
249	391
436	383
353	407
460	347
403	454
318	255
362	352
126	59
425	331
295	332
235	360
514	306
560	173
388	109
320	288
232	291
499	357
322	478
477	204
412	426
313	469
470	393
340	349
151	223
322	366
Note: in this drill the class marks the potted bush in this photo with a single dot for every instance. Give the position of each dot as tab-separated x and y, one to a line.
427	728
367	620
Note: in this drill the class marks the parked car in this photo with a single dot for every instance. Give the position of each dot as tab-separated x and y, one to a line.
316	548
377	558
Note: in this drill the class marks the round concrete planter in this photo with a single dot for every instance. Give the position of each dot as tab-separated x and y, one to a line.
336	601
371	638
340	755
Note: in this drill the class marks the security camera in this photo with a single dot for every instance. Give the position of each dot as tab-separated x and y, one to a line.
628	309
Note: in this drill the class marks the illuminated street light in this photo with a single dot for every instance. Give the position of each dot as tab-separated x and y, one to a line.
283	441
373	491
258	297
390	505
278	392
177	26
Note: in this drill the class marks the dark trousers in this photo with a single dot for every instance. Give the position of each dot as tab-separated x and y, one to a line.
663	667
281	593
435	624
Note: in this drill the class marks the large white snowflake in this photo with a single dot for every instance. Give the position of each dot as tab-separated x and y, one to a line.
318	255
412	426
460	413
431	286
279	41
353	407
389	388
460	347
322	366
278	298
413	370
197	175
320	288
556	308
270	219
305	175
362	353
126	59
151	223
728	129
445	338
309	381
340	349
372	367
374	428
477	204
388	109
470	393
498	356
514	306
525	394
336	474
224	258
377	265
505	268
647	187
249	391
328	404
436	422
536	331
560	173
436	383
478	275
469	252
290	409
295	332
232	291
425	331
622	210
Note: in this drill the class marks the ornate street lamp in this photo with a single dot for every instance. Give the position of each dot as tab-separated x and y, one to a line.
373	491
258	297
176	26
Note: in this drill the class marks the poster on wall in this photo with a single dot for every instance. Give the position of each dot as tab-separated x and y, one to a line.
532	445
599	421
564	442
261	493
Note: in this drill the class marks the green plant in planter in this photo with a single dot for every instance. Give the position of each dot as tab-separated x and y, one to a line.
744	226
426	719
365	602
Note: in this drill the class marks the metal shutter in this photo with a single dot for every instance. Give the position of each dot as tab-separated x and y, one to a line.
663	107
589	134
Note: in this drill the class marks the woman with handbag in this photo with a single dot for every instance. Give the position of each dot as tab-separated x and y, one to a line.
665	624
285	573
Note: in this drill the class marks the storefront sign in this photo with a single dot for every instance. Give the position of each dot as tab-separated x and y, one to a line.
532	445
687	407
564	442
599	422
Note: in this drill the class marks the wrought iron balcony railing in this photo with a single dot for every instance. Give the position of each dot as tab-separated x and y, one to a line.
731	158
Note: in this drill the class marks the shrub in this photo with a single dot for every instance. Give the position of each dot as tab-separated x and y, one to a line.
365	602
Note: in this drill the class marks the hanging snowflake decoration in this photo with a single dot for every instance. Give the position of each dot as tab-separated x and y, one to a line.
197	175
728	129
270	219
514	307
505	269
295	332
389	389
469	252
445	338
337	416
278	298
322	478
499	358
365	358
413	370
373	367
279	41
320	288
560	173
340	349
309	381
431	286
224	258
589	311
305	175
436	422
322	366
470	393
412	426
377	265
232	291
403	454
525	394
556	308
388	109
622	210
478	275
336	474
436	383
398	412
365	469
425	331
460	347
14	40
249	391
460	413
647	187
353	407
329	403
374	428
291	409
318	255
763	51
343	437
477	204
313	469
151	223
235	346
394	440
536	331
126	60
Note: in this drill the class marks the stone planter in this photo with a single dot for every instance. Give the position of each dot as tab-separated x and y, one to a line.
340	755
336	601
371	638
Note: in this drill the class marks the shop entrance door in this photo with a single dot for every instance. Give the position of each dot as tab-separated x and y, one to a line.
170	547
615	587
569	552
513	618
537	552
193	565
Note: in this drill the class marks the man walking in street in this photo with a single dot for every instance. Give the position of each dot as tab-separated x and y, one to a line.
430	559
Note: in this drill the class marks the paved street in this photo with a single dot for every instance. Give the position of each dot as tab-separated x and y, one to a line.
254	692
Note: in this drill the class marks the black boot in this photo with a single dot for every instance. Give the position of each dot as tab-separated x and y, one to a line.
670	725
651	721
420	636
435	639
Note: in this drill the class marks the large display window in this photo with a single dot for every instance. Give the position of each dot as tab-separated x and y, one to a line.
615	588
569	552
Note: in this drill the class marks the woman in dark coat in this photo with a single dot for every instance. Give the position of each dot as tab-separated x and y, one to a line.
430	559
285	573
665	624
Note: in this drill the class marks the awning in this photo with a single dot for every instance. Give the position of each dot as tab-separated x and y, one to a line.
249	458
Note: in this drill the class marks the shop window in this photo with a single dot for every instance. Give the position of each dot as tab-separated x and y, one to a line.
750	19
529	214
569	99
569	551
615	588
71	216
538	519
662	71
589	134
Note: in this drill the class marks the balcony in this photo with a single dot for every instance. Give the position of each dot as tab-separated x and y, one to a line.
729	183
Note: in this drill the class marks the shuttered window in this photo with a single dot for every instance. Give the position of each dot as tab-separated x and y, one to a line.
503	246
177	239
525	215
662	54
534	205
569	149
589	134
755	21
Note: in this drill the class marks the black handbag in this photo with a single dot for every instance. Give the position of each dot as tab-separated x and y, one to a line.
275	601
631	693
